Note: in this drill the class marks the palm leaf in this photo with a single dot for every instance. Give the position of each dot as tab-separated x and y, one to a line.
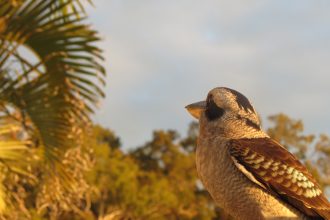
63	82
50	72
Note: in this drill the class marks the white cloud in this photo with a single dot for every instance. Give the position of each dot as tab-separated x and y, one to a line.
163	54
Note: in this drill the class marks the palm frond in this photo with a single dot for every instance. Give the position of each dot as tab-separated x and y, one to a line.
59	91
50	72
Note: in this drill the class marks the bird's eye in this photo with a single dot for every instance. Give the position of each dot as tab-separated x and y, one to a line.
212	110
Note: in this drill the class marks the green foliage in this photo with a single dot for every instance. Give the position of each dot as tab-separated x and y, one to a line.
165	156
55	92
156	181
49	83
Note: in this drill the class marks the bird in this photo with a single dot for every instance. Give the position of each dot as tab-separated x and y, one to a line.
247	173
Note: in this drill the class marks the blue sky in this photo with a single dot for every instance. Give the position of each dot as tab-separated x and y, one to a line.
162	55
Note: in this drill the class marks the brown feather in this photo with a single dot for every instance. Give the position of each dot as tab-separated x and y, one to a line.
280	171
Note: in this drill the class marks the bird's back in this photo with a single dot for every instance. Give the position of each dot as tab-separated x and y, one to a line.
232	190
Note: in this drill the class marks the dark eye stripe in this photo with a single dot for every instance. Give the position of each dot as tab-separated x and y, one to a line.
242	101
249	122
212	110
252	124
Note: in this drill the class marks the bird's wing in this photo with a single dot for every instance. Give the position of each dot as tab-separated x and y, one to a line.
279	171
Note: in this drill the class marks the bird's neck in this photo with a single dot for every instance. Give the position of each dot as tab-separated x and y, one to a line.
231	129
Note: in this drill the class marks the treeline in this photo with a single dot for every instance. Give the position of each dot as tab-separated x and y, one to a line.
157	180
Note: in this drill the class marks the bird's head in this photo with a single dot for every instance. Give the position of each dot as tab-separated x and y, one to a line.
227	112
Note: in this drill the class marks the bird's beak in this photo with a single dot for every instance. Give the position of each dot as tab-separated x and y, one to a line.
195	109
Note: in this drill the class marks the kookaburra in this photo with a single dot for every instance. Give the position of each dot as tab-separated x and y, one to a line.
247	173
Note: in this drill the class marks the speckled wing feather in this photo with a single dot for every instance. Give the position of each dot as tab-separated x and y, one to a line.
279	171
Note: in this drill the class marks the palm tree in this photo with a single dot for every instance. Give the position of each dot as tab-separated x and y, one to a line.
50	81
